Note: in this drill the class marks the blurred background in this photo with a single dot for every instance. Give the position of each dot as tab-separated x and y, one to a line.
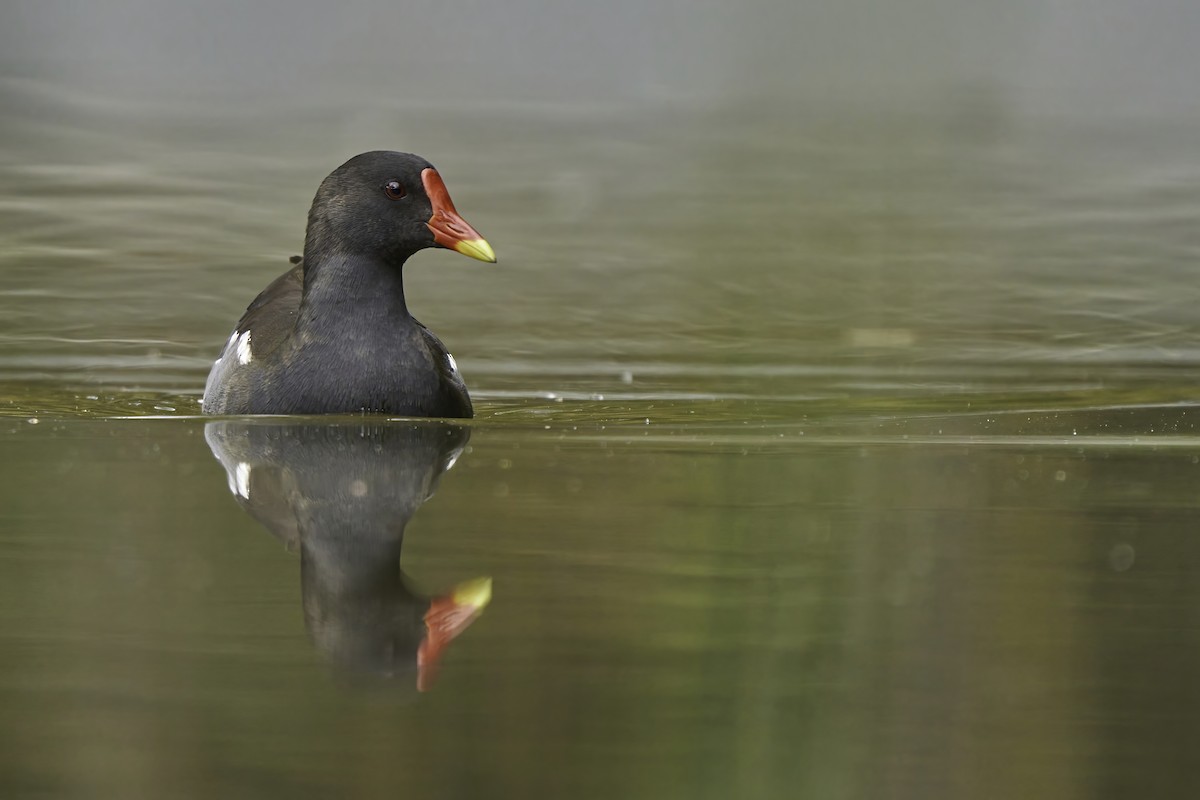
816	183
835	401
1065	57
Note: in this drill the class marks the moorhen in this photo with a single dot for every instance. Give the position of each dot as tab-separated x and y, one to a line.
333	334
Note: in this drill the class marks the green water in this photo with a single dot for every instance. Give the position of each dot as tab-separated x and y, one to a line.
833	455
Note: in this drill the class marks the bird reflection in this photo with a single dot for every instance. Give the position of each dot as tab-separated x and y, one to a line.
342	495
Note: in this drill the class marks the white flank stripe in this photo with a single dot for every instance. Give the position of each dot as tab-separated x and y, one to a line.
243	349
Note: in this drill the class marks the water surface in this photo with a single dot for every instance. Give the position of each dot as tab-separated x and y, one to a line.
839	454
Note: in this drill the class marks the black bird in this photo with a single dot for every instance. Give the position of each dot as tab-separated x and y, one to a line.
333	334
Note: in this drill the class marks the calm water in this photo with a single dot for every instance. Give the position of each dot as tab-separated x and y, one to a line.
845	455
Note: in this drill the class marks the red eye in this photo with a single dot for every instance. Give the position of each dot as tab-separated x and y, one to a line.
394	189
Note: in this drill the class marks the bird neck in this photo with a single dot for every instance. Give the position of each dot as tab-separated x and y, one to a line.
346	286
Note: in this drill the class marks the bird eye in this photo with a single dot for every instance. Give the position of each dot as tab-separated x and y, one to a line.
394	190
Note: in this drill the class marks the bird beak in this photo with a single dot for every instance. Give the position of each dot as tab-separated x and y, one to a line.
447	617
449	229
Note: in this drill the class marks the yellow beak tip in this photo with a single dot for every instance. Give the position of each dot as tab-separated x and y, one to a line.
475	593
477	248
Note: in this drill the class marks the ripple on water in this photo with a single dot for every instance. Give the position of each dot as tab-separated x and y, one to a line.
1096	417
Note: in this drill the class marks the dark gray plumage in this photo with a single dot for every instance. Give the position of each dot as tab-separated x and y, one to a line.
334	334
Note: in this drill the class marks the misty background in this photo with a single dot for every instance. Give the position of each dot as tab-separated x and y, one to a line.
672	183
1079	57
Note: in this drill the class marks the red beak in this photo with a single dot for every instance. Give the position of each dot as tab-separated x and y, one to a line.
449	229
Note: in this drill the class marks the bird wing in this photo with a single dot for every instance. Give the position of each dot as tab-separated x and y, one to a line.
273	313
